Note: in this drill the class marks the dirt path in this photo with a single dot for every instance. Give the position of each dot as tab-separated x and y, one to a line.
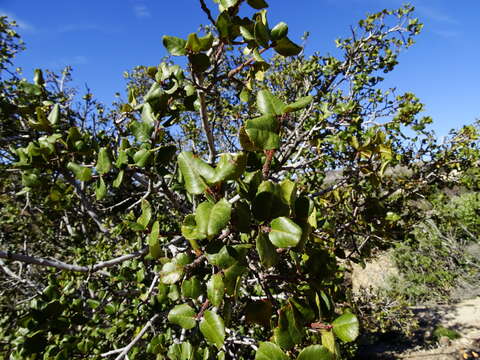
463	317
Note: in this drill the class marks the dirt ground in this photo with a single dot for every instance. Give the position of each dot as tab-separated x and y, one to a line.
463	317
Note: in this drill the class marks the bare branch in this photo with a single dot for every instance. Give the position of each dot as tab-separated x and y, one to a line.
72	267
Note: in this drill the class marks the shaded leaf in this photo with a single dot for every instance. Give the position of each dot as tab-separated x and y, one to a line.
266	251
286	47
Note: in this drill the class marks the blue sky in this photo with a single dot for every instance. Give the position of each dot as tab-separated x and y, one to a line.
101	39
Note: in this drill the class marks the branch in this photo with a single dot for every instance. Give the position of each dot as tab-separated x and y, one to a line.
207	11
127	348
71	267
205	124
239	68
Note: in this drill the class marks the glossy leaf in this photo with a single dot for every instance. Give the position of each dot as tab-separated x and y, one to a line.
213	328
212	218
195	171
174	45
100	189
154	246
315	352
284	233
54	115
104	165
183	315
171	273
146	215
230	167
228	3
215	289
141	157
263	132
191	288
270	351
269	104
279	31
299	104
346	327
196	44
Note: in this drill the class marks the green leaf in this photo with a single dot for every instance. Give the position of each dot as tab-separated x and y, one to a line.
284	233
346	327
171	273
289	331
315	352
263	132
141	157
268	205
81	172
195	171
174	45
144	219
104	165
245	141
230	167
279	31
213	328
189	228
191	288
154	247
270	351
118	180
228	3
212	218
216	289
182	351
299	104
232	275
286	47
261	33
257	4
266	251
100	189
328	341
183	315
196	44
54	115
269	104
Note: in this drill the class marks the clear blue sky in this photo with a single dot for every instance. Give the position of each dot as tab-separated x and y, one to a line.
103	38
